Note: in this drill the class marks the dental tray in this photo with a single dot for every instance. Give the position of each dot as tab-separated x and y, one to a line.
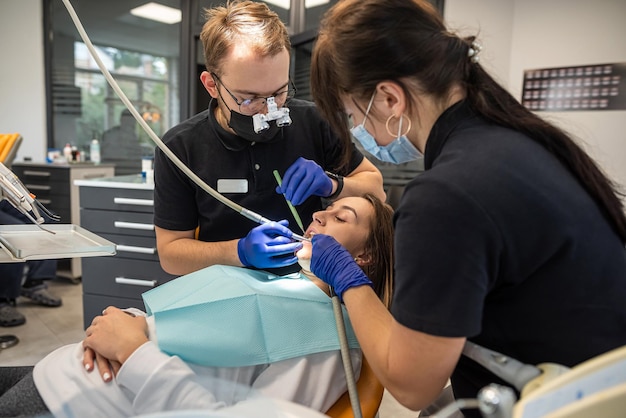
29	242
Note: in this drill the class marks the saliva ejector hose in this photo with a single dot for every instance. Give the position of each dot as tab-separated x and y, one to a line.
240	209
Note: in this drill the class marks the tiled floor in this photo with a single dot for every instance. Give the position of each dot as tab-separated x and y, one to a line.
50	328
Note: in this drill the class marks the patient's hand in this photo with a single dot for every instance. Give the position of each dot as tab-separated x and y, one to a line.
114	336
107	368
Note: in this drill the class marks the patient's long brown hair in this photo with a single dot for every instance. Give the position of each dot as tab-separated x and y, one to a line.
379	246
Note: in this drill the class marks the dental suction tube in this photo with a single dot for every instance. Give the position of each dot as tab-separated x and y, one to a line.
238	208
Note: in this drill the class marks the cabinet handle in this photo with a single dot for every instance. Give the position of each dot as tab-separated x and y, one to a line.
37	187
44	201
136	202
37	173
133	225
135	282
133	249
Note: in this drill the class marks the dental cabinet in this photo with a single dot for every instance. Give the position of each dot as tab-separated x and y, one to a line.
119	209
53	184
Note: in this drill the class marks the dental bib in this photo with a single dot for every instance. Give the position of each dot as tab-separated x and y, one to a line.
224	316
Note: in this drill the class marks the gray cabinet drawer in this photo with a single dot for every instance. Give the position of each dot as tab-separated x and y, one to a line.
42	174
48	189
94	304
128	200
123	223
116	277
130	246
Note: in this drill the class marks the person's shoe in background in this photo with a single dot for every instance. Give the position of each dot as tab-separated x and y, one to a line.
9	316
37	291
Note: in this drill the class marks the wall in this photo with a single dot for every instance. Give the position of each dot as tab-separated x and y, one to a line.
570	33
491	21
22	84
527	34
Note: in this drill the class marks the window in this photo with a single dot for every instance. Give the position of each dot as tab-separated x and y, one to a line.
142	56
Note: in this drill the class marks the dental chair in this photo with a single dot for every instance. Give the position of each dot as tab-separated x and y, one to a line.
9	144
370	392
595	388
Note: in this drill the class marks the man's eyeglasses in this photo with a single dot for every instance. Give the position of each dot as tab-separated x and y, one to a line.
254	105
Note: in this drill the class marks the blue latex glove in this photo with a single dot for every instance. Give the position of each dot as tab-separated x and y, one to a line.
267	246
303	179
332	263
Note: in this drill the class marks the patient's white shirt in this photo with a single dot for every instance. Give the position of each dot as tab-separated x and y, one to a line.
151	381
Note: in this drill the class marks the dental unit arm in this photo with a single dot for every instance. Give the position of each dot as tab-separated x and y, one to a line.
12	189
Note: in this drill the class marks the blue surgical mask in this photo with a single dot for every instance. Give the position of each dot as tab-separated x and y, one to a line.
401	150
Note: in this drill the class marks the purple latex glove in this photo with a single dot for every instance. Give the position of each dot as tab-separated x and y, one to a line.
332	263
303	179
267	246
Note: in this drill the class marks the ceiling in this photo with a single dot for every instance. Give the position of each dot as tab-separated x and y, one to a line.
110	23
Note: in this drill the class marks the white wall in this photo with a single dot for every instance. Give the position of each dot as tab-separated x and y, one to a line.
492	22
22	84
570	33
525	34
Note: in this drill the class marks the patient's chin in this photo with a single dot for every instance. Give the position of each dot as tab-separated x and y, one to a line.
304	256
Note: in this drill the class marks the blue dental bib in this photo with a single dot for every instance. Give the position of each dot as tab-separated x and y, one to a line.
225	316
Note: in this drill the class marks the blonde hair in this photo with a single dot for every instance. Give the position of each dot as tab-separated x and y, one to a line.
250	22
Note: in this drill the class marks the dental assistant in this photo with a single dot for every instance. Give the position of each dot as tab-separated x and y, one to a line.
512	238
247	55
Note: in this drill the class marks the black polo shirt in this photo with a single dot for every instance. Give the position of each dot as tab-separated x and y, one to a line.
498	242
215	155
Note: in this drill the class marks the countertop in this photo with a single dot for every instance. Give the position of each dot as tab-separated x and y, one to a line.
133	181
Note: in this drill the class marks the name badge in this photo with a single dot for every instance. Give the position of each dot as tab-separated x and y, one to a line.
232	186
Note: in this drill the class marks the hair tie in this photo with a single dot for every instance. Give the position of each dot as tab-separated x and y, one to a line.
473	51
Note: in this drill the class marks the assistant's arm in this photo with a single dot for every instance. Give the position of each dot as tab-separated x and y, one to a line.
412	365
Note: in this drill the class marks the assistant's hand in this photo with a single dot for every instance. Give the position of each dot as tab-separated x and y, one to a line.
116	334
267	246
332	263
303	179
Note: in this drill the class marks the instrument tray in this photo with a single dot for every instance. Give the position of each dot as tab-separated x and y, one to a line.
29	242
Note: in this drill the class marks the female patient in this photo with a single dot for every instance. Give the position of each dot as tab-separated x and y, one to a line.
148	380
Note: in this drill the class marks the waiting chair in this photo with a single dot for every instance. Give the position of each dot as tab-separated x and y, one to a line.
370	392
9	144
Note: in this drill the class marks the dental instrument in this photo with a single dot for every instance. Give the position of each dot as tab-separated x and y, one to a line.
14	191
279	180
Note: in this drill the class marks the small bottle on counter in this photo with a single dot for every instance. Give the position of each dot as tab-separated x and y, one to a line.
67	152
94	151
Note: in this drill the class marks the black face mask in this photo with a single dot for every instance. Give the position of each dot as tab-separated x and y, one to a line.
244	127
